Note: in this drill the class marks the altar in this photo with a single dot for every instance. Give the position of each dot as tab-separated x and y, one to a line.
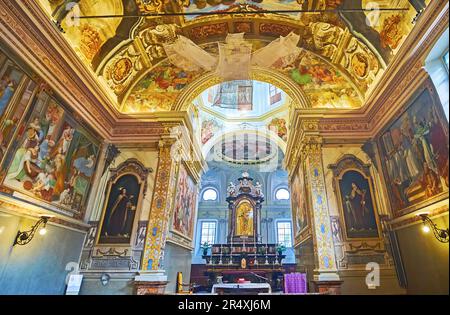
241	288
244	256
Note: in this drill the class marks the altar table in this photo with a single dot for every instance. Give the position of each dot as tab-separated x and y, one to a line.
241	286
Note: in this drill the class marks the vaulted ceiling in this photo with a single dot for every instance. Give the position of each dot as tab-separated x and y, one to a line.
344	53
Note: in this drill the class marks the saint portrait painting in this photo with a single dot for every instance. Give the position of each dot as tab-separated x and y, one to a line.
53	158
185	204
244	219
120	211
414	152
357	206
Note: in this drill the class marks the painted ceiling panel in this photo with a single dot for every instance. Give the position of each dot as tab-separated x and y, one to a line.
344	52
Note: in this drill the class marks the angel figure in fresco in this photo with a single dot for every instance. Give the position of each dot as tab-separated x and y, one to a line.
355	203
116	222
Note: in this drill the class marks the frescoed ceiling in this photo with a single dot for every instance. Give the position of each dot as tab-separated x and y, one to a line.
344	53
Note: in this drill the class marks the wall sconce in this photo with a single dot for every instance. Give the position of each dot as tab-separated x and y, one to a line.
440	234
25	237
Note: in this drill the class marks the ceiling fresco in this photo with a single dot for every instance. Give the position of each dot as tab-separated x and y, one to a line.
343	53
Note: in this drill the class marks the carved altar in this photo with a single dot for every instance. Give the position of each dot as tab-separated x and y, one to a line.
244	255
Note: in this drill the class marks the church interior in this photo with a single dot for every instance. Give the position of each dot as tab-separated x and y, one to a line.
224	147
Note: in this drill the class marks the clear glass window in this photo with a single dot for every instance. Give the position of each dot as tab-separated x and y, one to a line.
284	233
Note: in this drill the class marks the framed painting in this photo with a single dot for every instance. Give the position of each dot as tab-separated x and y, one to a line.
299	202
414	153
185	205
52	158
355	197
124	195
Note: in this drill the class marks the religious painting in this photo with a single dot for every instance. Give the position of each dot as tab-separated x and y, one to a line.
159	89
357	205
414	152
210	126
10	79
325	85
355	197
244	219
120	210
279	126
53	158
299	202
123	200
16	92
185	205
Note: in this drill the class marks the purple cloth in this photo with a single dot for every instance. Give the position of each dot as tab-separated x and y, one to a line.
295	283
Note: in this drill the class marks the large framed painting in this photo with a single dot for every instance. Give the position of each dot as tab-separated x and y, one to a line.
414	153
299	202
124	195
185	205
356	199
52	158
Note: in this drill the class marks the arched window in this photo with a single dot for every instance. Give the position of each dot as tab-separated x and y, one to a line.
210	195
282	194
